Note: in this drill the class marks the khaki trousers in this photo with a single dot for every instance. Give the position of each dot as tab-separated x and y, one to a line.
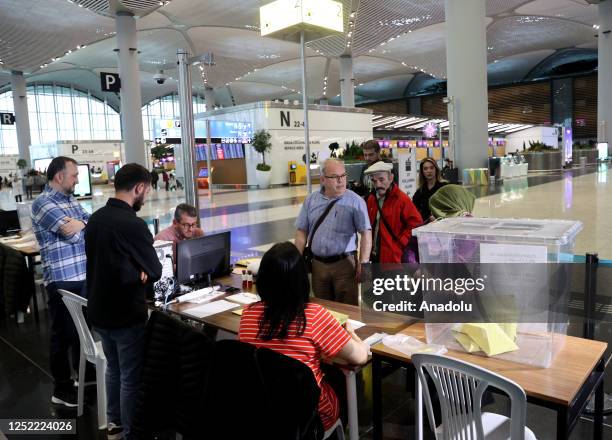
336	281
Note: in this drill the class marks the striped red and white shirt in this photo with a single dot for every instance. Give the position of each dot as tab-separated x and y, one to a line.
323	335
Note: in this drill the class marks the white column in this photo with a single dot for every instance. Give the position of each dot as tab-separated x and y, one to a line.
604	88
22	121
347	91
209	98
466	65
187	128
131	101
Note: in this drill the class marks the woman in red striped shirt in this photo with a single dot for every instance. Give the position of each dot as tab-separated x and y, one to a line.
287	322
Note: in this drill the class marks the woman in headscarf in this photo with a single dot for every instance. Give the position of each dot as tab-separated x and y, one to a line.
452	201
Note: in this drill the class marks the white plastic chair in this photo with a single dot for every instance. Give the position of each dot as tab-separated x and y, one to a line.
460	387
90	351
337	428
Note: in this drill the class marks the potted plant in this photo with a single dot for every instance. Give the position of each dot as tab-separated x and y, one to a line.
333	147
261	144
352	153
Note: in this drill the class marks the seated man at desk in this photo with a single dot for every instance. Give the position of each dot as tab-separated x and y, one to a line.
184	225
287	322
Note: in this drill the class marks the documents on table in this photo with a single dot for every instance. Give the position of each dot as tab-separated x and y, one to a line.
244	298
23	245
356	324
211	308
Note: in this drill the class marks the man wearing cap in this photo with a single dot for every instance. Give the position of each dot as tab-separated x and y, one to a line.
336	266
392	215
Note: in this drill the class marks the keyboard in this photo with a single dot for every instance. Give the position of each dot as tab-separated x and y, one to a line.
201	295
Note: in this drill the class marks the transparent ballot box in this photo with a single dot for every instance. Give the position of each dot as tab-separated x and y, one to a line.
521	313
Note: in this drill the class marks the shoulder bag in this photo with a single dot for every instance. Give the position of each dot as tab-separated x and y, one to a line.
308	248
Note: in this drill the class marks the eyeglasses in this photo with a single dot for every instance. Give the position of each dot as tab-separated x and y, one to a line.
338	178
189	225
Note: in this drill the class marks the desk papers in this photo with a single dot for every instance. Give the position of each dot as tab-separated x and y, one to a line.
244	298
211	308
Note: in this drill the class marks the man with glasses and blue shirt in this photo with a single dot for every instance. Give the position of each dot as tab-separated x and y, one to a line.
336	264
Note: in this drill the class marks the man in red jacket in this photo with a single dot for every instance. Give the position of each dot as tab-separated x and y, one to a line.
392	215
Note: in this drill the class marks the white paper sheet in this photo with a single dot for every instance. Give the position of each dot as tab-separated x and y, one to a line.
23	245
211	308
244	298
356	324
512	253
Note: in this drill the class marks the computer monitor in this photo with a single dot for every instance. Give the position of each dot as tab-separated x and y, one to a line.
9	222
83	188
42	164
199	257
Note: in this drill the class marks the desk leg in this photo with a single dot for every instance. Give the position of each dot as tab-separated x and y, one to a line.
418	402
351	399
377	421
598	416
562	433
30	260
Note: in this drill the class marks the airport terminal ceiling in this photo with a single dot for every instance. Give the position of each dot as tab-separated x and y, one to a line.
398	46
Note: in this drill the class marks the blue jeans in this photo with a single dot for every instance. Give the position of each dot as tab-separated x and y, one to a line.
123	349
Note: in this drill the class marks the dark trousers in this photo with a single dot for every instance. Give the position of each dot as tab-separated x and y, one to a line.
29	192
167	185
64	337
124	351
336	281
18	199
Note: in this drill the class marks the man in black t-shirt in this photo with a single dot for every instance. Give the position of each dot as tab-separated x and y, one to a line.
122	266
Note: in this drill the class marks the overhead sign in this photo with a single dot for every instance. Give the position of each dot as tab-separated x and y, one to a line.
7	119
110	82
231	132
293	15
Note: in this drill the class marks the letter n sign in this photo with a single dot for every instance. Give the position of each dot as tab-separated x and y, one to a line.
110	82
7	119
285	119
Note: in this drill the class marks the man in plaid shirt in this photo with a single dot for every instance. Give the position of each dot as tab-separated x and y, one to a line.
58	221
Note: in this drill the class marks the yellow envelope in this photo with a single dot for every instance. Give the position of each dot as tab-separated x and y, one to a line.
510	329
490	338
466	342
340	317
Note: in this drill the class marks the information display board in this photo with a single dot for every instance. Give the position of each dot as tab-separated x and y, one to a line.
228	132
220	151
408	170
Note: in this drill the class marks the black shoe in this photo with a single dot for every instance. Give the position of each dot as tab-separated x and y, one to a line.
114	432
65	397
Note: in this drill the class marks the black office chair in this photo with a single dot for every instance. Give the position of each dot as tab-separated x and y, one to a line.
177	359
259	393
